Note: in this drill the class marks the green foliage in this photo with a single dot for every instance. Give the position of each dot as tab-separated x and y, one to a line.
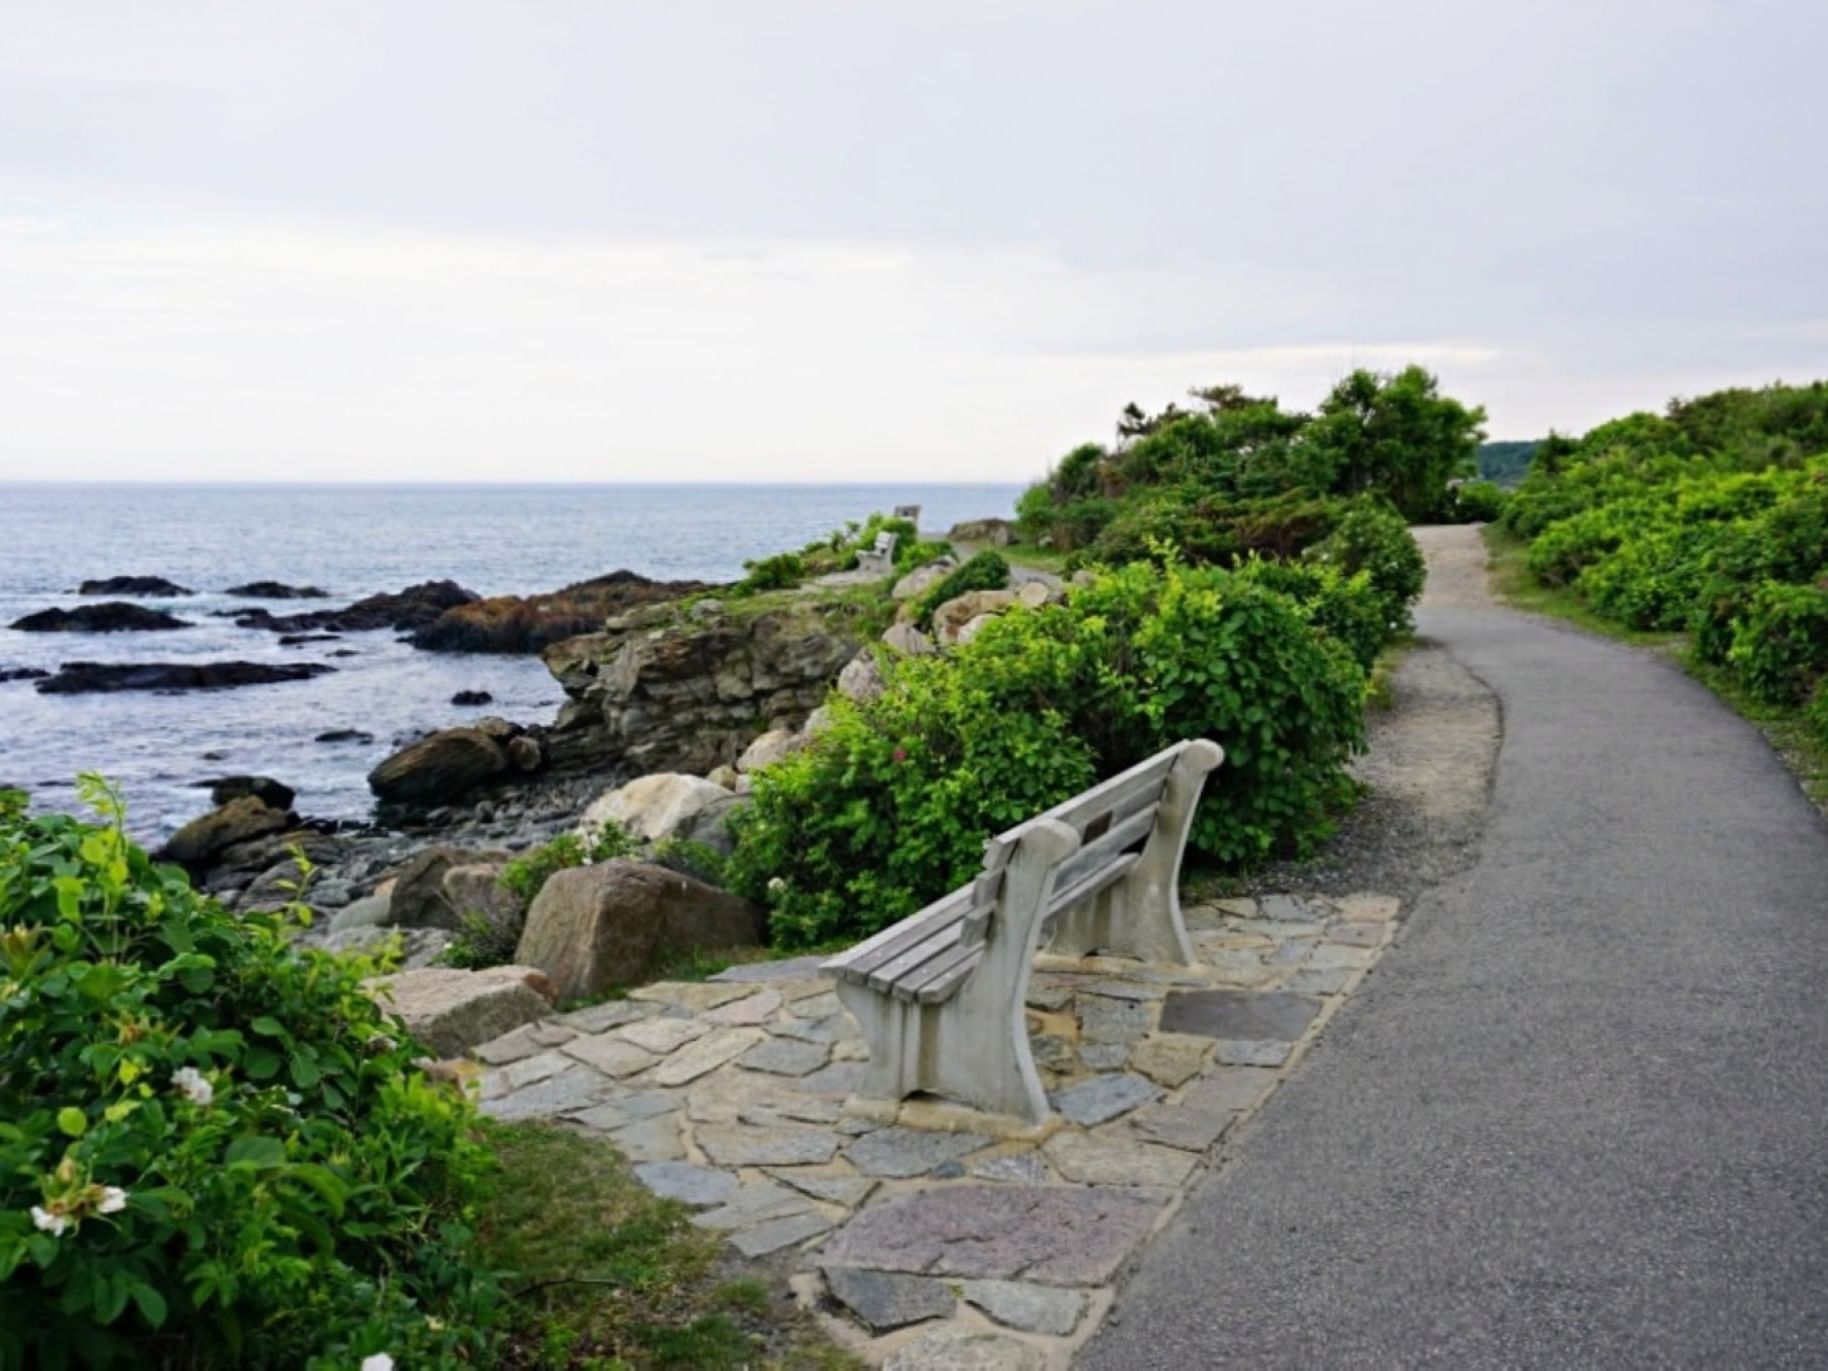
1397	435
692	858
1347	608
1780	644
782	571
1710	518
1372	538
1817	711
890	806
214	1149
987	570
912	554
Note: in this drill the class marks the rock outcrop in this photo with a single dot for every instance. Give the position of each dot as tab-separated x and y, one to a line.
272	793
989	532
661	691
403	611
133	585
111	616
22	673
515	623
770	748
276	590
77	678
594	927
419	897
954	614
451	1011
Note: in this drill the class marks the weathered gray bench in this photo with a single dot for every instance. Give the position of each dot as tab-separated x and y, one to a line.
879	560
942	995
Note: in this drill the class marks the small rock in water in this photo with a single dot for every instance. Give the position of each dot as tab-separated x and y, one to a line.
345	735
472	697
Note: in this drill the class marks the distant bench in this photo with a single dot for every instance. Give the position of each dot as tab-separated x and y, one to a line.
878	560
942	995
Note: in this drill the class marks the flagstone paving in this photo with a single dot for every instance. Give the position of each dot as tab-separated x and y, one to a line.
924	1232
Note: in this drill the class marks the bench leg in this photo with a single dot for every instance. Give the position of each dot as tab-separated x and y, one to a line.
1140	916
973	1047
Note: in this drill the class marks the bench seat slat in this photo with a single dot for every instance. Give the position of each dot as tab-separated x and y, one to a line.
898	937
960	955
940	986
1088	886
886	976
1118	796
1102	849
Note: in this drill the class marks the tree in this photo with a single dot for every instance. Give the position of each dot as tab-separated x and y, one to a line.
1395	433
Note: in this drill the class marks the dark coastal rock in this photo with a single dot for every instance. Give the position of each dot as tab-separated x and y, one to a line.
402	611
472	697
344	735
76	678
300	639
133	585
275	590
515	623
603	925
114	616
21	673
420	898
438	768
275	794
238	821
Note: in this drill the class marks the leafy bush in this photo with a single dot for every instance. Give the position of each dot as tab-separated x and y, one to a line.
528	873
1373	538
1780	645
1347	608
782	571
911	555
986	570
890	807
1817	711
692	858
214	1149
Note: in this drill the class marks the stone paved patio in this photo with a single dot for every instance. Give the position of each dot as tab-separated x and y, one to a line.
932	1235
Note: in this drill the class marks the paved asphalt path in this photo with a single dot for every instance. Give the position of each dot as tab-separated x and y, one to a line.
1579	1115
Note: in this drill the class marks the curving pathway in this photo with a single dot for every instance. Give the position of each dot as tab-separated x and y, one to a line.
1579	1117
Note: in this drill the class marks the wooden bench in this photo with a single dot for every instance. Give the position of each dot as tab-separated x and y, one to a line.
879	560
942	995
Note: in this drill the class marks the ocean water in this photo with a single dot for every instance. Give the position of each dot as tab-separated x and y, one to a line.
352	541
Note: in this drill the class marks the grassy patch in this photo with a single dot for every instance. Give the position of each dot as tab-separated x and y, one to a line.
1035	558
606	1276
1787	731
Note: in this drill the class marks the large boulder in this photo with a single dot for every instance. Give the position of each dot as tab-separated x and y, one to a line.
403	611
512	623
908	640
474	890
923	578
711	825
768	749
861	680
989	532
594	927
80	678
650	808
955	613
211	834
419	898
451	1011
438	768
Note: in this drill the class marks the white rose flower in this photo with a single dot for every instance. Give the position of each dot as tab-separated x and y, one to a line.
45	1221
380	1361
114	1199
190	1081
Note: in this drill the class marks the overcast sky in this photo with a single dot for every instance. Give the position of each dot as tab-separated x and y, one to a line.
769	240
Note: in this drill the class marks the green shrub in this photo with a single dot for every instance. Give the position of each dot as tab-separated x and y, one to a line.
1817	711
1780	645
214	1149
889	808
782	571
527	873
1373	538
986	570
1347	608
692	858
911	555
